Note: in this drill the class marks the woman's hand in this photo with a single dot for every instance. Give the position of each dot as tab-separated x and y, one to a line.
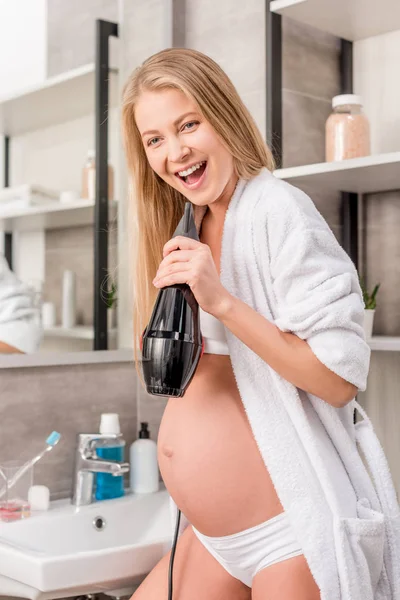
189	261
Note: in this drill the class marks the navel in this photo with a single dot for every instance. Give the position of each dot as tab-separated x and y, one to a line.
167	451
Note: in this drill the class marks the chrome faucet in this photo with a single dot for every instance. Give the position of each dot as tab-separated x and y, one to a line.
87	463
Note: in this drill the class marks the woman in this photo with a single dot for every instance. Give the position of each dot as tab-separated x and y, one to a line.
268	275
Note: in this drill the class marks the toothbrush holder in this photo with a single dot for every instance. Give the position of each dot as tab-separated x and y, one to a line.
14	503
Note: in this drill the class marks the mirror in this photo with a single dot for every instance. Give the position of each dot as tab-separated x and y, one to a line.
51	269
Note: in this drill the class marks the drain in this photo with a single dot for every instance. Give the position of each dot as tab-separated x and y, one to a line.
99	523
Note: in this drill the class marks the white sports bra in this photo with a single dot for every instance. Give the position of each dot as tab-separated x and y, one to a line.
213	333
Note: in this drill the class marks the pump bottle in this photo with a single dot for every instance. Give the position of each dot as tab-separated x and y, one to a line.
144	475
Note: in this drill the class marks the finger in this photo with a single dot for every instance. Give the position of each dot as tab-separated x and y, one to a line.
181	242
172	277
172	268
176	256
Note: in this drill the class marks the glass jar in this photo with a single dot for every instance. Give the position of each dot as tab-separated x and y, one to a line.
346	129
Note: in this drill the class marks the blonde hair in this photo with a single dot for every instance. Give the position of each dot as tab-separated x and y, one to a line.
156	207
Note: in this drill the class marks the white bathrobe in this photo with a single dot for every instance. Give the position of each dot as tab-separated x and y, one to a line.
280	257
19	318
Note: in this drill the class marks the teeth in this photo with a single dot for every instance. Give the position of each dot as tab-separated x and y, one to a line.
191	169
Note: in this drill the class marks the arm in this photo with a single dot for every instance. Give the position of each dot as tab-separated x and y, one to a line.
313	335
7	349
286	353
315	339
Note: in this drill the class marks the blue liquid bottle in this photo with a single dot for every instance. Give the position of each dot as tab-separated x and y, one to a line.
108	486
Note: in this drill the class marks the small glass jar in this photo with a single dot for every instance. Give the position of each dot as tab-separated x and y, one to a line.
347	129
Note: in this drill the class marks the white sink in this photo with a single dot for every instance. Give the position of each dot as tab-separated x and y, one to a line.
60	553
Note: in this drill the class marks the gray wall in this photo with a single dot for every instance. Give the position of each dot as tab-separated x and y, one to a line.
71	31
310	78
72	248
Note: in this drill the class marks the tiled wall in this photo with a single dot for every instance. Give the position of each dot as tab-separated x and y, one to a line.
233	35
310	78
68	399
71	31
73	249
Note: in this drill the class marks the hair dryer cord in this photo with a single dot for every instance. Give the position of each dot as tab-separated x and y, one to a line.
171	561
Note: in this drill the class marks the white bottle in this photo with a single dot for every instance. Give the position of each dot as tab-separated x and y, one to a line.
144	477
68	316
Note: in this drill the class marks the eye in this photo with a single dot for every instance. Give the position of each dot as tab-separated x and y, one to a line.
152	140
190	123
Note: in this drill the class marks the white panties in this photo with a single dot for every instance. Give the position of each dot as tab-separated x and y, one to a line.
245	553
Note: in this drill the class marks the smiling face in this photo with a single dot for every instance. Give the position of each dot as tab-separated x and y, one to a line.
183	148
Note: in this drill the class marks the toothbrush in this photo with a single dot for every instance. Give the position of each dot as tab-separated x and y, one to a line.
51	441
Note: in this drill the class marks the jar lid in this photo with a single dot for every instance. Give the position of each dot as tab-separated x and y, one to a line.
346	99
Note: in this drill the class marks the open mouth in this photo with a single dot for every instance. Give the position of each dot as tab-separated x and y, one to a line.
192	176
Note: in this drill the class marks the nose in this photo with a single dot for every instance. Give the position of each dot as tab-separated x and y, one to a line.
177	150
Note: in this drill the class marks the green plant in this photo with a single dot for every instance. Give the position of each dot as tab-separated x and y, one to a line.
111	295
369	299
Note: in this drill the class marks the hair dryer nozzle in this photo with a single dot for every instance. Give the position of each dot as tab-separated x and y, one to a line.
171	343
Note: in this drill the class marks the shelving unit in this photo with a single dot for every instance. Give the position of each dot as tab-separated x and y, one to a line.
53	215
366	175
66	97
80	332
351	20
385	343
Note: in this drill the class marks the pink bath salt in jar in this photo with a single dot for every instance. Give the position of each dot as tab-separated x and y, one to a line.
346	129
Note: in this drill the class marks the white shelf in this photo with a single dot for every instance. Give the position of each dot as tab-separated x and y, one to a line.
53	215
80	332
61	98
385	343
366	175
349	19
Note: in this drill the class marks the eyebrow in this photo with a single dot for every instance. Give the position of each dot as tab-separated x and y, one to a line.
176	122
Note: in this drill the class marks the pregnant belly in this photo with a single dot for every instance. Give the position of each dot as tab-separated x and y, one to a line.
208	457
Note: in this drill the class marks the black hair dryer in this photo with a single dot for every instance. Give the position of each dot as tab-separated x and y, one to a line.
172	344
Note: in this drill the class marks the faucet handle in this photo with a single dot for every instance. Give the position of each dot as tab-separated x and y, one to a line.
87	442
